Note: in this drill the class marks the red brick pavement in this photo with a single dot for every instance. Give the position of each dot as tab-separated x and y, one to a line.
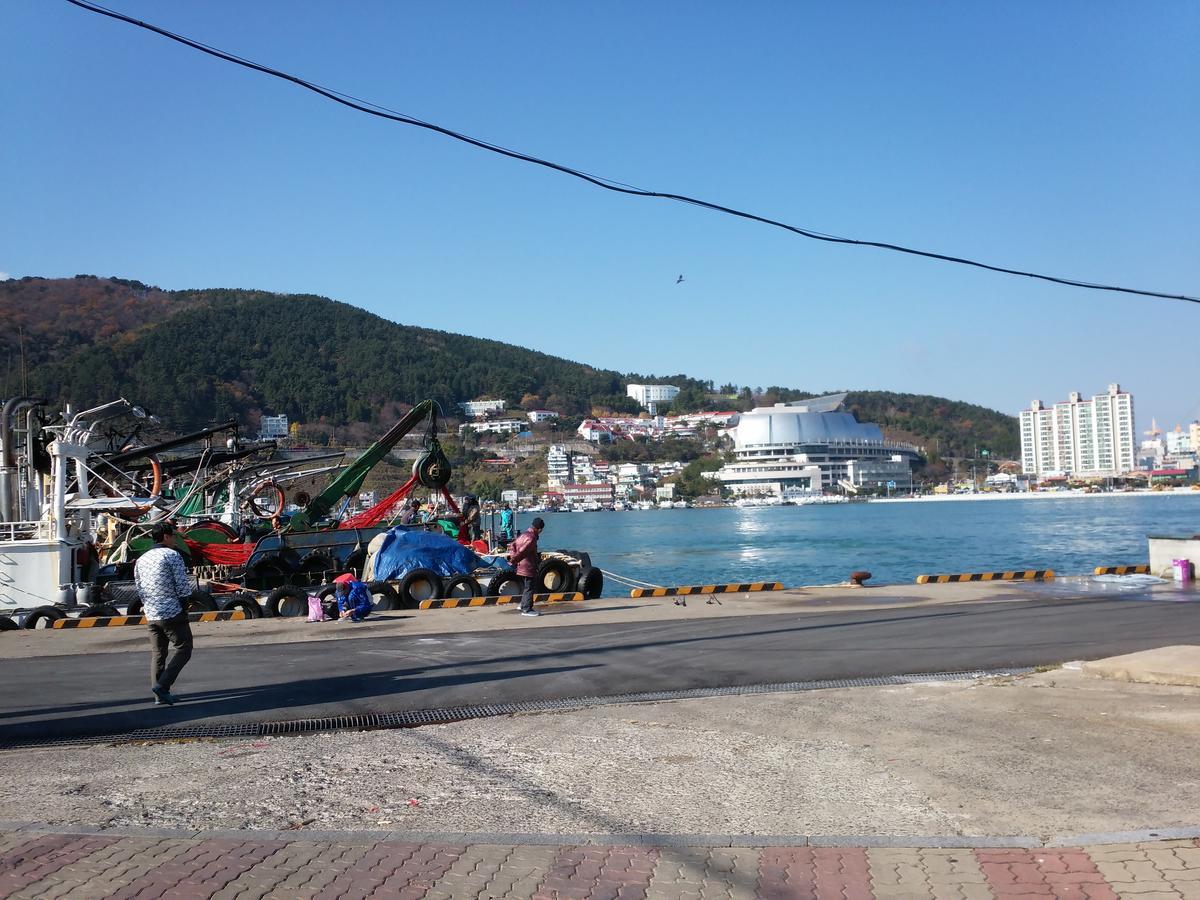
1066	873
58	865
32	861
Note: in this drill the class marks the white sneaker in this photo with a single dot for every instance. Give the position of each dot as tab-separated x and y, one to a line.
530	612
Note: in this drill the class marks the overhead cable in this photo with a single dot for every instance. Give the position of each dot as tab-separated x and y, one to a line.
599	181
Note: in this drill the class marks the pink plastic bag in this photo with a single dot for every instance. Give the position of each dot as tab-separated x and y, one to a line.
315	612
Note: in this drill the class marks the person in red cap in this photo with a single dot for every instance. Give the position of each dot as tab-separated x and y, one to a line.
353	598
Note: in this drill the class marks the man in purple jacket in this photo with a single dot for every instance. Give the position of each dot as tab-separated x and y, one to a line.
523	554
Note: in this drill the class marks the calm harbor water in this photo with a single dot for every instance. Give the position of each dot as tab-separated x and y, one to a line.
894	541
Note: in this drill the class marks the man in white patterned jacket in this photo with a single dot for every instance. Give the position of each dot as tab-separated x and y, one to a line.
164	586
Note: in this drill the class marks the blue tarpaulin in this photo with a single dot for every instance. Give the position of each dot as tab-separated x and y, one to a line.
405	550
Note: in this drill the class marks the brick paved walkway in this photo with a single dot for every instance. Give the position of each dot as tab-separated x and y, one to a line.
37	864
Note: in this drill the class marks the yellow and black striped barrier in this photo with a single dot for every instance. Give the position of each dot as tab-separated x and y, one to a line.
688	590
1022	575
465	602
111	621
1122	570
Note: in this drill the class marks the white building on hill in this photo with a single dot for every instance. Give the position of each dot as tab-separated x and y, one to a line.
1080	437
650	395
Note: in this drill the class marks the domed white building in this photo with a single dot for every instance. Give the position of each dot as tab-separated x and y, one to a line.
810	446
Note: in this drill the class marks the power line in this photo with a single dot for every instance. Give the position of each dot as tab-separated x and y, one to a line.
382	112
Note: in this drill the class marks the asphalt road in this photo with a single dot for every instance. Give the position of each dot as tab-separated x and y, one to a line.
99	694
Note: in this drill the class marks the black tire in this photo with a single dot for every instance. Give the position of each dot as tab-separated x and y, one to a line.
506	584
267	574
44	617
201	600
591	583
243	601
7	624
462	586
355	562
98	611
134	608
554	576
418	585
383	596
287	601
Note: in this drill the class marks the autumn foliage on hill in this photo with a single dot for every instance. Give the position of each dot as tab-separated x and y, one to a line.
197	357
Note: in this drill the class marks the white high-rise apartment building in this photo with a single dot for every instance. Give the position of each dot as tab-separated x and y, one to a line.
1079	437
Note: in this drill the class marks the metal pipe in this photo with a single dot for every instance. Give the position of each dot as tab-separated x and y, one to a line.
8	459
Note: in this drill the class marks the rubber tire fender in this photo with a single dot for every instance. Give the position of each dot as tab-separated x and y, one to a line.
7	624
201	600
590	582
282	594
48	614
515	584
554	576
383	596
411	583
244	601
98	611
462	586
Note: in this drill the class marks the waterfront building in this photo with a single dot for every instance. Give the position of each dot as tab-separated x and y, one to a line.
814	445
476	408
649	396
581	494
558	466
273	428
1180	441
1090	438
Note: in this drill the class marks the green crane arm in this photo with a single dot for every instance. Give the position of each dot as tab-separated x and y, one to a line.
348	482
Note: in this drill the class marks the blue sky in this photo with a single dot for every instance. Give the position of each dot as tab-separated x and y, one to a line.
1061	137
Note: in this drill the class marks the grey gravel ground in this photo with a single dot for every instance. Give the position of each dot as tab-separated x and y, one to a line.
1047	754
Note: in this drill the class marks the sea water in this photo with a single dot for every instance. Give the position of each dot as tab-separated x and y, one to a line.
810	545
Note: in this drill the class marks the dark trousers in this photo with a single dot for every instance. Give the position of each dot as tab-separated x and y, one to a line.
527	592
178	633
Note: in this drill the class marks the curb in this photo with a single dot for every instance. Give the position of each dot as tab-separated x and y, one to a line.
225	615
1121	570
638	593
1021	575
464	602
870	841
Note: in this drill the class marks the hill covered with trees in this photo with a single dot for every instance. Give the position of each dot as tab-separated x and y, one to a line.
194	357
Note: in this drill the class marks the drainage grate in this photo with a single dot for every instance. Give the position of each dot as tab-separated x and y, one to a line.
418	717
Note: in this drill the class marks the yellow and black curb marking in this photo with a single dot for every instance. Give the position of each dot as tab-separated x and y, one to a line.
461	603
706	589
110	621
1024	575
1122	570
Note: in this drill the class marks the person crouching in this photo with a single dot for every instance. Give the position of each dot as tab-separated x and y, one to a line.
353	598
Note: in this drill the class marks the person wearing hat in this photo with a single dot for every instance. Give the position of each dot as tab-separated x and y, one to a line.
524	556
353	598
470	519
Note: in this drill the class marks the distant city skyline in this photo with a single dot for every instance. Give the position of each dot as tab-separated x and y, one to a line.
1058	139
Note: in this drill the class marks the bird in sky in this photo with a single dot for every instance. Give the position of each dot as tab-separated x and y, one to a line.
679	279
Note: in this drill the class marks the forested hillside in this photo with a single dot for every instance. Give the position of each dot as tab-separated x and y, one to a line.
194	357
